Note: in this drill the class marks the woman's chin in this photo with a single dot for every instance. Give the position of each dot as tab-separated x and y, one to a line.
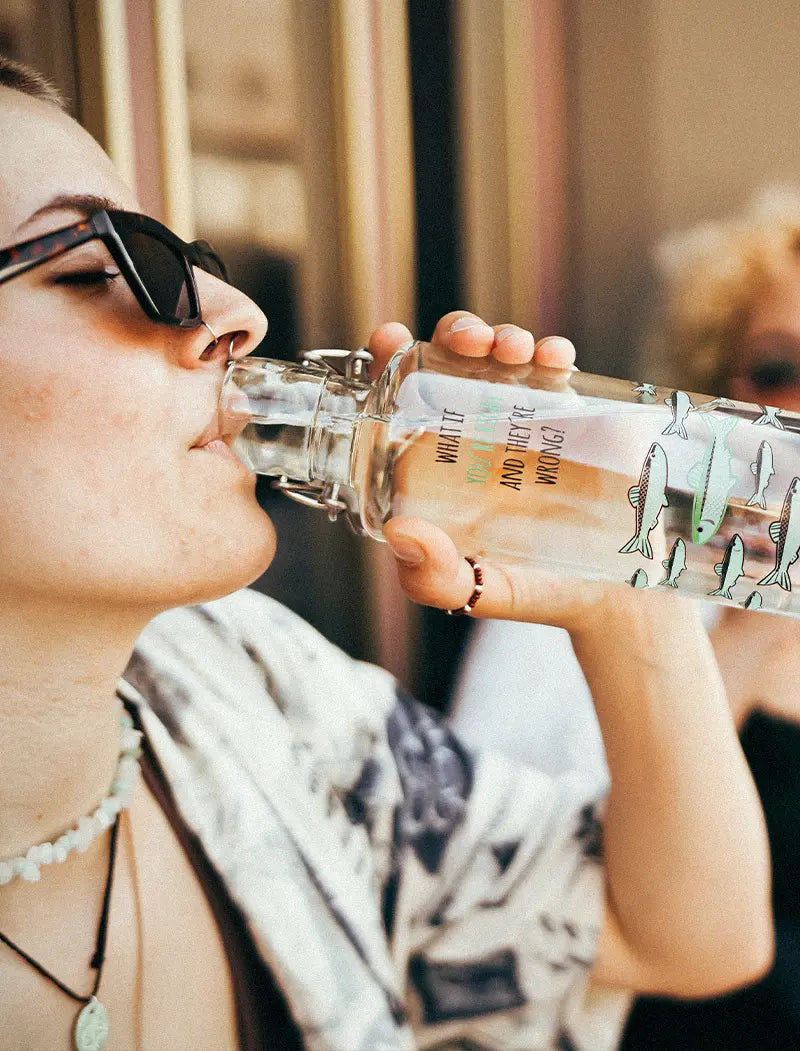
237	566
220	565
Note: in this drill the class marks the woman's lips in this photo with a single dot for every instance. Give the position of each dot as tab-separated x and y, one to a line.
220	448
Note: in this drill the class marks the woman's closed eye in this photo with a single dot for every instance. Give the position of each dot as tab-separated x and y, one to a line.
88	266
97	276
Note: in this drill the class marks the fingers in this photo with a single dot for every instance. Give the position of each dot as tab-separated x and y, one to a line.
464	333
384	342
513	345
467	334
556	352
433	573
430	568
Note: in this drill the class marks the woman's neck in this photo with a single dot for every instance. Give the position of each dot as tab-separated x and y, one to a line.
59	721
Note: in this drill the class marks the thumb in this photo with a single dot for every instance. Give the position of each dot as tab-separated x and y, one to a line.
433	573
429	566
384	342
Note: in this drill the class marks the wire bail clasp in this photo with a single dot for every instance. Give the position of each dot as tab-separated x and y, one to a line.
352	365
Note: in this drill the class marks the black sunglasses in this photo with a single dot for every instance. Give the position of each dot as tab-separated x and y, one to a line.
772	375
157	265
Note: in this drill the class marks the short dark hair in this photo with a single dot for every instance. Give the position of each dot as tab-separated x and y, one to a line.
19	77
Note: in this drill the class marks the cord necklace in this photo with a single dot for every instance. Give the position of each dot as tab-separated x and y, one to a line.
91	1024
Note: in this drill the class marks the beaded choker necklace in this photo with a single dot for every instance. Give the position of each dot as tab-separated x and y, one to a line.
91	1025
27	866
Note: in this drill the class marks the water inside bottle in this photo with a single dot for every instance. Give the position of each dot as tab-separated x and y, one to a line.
657	491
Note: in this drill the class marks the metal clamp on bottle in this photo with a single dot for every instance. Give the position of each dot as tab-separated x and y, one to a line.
314	494
352	364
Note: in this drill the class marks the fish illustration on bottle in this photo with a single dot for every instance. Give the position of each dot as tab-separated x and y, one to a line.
769	418
646	391
715	403
639	579
648	497
674	564
785	534
753	601
681	405
730	568
712	479
763	470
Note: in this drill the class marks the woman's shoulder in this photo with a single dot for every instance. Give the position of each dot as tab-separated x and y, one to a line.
245	619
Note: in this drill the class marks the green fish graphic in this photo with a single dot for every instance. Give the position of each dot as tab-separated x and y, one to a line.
646	392
730	568
763	470
753	601
769	417
712	479
674	564
681	405
648	497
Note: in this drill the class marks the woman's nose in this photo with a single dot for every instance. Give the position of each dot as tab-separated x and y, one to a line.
234	320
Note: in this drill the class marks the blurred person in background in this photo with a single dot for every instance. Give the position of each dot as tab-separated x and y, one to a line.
731	325
728	323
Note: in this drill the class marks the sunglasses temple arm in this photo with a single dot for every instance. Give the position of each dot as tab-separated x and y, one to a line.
24	257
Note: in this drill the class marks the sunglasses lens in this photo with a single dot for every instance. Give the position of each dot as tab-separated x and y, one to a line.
164	275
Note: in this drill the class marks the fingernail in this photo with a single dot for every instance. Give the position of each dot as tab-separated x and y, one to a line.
465	323
407	550
556	343
505	333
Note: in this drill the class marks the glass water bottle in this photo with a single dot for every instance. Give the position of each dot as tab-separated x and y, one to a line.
586	476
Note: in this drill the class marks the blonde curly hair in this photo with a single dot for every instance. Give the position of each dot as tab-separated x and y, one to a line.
711	275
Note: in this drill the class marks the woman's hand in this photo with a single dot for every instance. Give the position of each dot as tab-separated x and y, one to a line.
681	801
430	567
467	334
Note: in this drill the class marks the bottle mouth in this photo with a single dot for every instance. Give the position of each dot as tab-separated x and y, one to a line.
294	420
234	409
268	391
272	407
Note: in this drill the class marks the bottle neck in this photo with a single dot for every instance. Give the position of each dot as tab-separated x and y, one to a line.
292	420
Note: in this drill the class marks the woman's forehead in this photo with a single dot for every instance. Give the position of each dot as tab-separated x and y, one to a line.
47	155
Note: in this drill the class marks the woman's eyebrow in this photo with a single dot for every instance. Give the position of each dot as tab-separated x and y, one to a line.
83	203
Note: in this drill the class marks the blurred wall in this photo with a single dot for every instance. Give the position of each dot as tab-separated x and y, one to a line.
676	111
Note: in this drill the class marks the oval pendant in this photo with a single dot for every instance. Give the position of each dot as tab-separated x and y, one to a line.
91	1027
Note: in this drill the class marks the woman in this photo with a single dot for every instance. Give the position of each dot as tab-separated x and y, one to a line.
311	861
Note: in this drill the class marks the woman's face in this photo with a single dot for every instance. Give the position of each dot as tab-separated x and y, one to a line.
766	360
105	497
